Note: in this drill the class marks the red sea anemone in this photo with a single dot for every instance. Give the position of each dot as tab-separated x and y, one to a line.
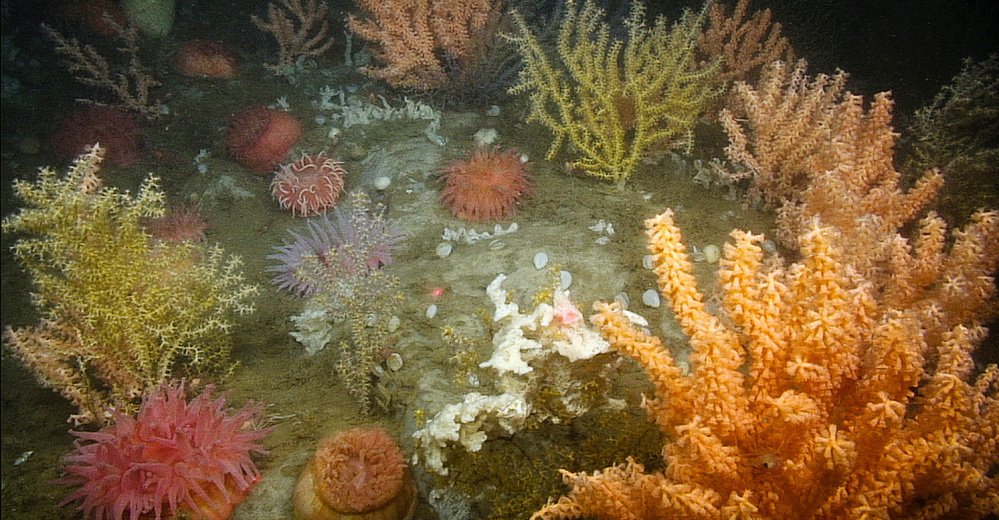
487	186
175	457
116	130
184	223
310	185
206	59
260	137
358	474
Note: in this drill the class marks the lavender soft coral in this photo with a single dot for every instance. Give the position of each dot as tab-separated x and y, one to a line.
349	244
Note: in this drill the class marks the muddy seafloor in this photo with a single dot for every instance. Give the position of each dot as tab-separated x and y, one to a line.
304	401
303	397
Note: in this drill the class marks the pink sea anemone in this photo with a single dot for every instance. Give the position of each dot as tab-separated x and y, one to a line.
489	185
184	223
359	474
175	457
310	185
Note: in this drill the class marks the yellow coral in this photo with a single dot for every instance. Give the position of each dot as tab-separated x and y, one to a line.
120	310
613	100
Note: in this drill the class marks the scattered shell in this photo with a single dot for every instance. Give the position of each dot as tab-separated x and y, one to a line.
378	371
494	110
496	245
444	249
769	246
651	298
353	151
602	241
485	136
648	261
711	253
565	279
431	311
393	324
540	260
23	457
382	182
622	297
394	362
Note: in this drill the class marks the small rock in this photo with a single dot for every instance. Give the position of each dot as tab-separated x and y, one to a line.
651	298
444	249
540	260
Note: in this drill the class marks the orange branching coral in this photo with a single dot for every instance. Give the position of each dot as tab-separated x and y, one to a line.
426	44
863	181
302	30
746	45
785	131
812	150
813	395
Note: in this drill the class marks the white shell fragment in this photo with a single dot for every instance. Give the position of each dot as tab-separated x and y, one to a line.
540	260
485	137
622	298
431	311
444	249
393	324
394	362
648	261
565	279
651	298
382	182
711	253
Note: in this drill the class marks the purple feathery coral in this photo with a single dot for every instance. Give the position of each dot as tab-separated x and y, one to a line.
350	244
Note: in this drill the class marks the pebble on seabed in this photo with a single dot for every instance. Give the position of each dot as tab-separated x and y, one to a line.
540	260
651	298
444	249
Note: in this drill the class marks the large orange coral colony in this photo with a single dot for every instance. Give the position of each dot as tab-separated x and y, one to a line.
424	44
816	396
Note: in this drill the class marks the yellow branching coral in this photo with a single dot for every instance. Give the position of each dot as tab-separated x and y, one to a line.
612	100
120	310
814	394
